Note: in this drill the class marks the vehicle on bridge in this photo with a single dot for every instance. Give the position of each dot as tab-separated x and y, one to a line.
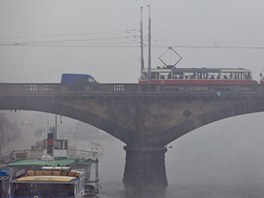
77	79
202	76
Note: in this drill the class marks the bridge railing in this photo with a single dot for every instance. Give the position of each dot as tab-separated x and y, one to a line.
8	89
28	87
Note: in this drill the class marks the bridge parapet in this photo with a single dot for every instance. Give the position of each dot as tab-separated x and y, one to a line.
13	89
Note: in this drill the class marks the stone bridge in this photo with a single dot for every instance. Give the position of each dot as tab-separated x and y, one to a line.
145	117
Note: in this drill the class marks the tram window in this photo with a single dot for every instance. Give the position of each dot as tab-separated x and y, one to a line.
189	75
202	75
226	75
213	75
247	76
143	76
154	75
239	75
178	75
164	75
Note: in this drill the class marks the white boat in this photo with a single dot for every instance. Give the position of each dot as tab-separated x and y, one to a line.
52	170
50	182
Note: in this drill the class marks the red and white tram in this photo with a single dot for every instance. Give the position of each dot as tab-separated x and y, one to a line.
222	76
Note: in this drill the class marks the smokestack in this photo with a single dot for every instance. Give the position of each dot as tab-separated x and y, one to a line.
50	144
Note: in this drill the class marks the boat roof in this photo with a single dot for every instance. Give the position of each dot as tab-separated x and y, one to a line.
3	166
4	170
37	162
45	179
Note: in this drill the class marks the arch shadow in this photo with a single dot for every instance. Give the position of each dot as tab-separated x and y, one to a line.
54	106
241	108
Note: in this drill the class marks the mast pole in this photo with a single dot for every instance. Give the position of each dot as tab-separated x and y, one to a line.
149	47
141	41
56	127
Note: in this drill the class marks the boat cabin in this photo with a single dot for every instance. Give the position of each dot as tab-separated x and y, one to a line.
50	182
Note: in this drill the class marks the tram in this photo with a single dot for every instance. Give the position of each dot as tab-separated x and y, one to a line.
201	76
172	75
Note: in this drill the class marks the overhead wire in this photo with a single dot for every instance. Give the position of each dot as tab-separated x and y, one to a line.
122	39
130	33
70	35
106	37
132	46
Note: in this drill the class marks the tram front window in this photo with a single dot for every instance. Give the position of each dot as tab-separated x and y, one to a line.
154	75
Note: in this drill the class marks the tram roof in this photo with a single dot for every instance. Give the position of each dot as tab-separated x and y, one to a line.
175	69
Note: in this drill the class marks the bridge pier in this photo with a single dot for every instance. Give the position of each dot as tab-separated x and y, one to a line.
145	168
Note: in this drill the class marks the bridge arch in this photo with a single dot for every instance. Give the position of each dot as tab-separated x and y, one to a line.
240	108
71	111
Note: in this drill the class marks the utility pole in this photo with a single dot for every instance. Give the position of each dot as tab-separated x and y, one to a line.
56	127
149	46
141	40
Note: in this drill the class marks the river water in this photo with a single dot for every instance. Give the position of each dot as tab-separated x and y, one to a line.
112	167
115	190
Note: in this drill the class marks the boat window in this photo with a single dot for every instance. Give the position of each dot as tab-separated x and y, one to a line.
44	190
61	144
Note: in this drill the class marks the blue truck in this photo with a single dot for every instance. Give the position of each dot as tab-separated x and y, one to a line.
77	79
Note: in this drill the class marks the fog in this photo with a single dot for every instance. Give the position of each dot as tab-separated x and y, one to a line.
225	152
40	40
33	34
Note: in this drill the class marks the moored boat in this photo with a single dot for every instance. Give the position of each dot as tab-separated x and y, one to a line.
4	180
54	170
50	182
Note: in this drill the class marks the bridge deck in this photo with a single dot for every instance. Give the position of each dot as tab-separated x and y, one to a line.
130	90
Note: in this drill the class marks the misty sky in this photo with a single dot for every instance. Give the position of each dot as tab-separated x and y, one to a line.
58	23
40	40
